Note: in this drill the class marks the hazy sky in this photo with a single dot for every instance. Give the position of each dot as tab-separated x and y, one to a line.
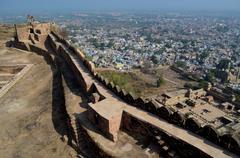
55	5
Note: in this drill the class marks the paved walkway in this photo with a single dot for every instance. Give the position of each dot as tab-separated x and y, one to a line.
175	131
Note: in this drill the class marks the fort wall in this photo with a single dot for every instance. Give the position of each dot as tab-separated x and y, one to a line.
110	127
160	110
88	141
134	125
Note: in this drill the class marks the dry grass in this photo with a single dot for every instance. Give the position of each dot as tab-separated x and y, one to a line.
136	82
128	81
145	85
6	32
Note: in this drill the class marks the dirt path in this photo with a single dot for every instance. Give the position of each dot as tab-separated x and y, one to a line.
31	125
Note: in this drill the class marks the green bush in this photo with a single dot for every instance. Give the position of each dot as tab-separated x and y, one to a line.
120	79
203	84
238	98
160	81
181	64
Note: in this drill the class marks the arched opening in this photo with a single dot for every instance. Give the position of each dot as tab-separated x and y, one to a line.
164	112
193	125
178	118
151	107
31	30
210	133
234	144
140	103
225	140
123	93
38	31
117	90
111	85
129	98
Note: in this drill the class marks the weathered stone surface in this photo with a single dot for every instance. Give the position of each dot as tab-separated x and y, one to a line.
107	113
95	97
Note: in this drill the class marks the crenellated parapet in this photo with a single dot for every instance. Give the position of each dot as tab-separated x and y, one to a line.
109	103
163	110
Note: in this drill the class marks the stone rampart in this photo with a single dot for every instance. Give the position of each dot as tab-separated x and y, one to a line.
64	49
134	125
63	52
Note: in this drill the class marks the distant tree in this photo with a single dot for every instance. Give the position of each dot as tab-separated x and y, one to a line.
74	40
210	76
202	57
238	98
223	64
158	52
203	84
168	45
88	57
184	41
110	44
160	81
102	46
181	64
222	29
154	59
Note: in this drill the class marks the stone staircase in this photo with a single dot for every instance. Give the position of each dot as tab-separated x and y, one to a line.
165	149
75	130
79	137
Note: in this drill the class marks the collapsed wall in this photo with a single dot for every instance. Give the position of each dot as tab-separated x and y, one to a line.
33	32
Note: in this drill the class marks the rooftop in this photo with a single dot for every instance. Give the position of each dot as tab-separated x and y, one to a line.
113	108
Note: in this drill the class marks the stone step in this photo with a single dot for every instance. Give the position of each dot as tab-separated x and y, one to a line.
75	128
165	148
158	138
171	153
3	82
6	74
6	77
161	143
177	156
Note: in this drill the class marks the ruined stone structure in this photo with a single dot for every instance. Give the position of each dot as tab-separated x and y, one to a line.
112	109
10	74
199	112
33	33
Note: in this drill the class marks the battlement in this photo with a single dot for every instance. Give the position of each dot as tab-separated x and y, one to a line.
110	104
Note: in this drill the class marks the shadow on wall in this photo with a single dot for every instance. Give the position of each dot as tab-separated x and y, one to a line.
60	118
83	117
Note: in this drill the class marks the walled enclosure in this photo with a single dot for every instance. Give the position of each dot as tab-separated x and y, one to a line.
98	108
107	112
